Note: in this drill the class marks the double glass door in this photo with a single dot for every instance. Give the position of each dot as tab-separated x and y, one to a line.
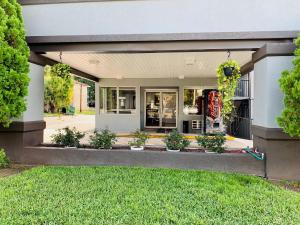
161	108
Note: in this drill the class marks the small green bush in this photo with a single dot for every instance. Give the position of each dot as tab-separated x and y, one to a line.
176	141
214	142
4	161
139	139
103	140
68	137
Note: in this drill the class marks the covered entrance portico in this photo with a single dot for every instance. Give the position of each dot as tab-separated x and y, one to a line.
125	31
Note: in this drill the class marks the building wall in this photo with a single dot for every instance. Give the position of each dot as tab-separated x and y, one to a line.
165	16
268	98
130	122
35	98
76	96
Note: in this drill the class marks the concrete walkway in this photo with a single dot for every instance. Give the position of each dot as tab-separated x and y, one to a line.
86	123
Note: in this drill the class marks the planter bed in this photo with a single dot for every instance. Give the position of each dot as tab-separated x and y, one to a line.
147	148
54	155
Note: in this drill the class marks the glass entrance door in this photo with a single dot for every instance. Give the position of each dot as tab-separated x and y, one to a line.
152	109
161	109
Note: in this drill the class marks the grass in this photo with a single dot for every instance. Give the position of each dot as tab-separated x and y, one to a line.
140	196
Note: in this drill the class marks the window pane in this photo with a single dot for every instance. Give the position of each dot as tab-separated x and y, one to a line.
192	102
111	100
127	100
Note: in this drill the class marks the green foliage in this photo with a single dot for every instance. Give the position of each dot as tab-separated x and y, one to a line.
103	140
4	161
68	137
176	141
91	89
213	143
139	139
58	87
290	85
14	66
227	86
143	196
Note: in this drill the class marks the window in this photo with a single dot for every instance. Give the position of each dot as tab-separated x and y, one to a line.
192	101
117	100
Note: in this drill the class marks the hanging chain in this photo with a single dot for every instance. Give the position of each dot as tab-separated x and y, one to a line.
228	56
60	57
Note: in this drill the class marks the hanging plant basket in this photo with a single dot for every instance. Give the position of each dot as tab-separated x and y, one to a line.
228	75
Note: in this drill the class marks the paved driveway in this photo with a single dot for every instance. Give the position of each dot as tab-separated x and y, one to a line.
86	123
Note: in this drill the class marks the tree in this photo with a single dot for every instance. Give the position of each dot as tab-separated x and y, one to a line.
290	86
14	66
58	87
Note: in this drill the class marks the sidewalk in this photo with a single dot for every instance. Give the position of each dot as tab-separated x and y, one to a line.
86	123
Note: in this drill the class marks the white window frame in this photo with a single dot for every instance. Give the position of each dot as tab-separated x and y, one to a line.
118	104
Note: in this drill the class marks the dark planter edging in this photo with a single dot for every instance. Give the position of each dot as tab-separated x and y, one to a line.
241	163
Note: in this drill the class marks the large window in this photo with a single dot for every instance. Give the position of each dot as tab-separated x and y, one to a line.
192	101
117	100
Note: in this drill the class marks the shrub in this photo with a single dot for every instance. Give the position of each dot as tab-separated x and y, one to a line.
213	143
176	141
68	137
4	161
14	66
139	139
290	86
103	140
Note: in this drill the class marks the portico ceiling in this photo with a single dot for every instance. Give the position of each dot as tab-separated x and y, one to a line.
150	65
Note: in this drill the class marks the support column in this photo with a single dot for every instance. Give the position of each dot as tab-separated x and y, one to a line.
282	151
27	130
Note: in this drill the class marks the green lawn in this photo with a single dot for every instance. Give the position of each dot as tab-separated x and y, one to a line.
137	196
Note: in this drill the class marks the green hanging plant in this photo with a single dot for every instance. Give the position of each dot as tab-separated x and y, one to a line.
228	74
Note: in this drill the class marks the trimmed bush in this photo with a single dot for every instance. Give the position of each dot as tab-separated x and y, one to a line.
139	139
14	66
68	137
4	161
213	143
290	86
176	141
103	140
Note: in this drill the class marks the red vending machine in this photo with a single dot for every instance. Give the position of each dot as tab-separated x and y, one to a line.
212	111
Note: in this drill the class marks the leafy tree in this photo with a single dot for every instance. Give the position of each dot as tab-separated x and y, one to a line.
14	66
290	85
58	87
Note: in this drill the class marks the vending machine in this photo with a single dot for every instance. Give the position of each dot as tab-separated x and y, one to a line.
212	120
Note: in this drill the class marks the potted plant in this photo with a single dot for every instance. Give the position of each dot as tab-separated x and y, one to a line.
139	140
103	140
176	141
228	74
212	143
69	138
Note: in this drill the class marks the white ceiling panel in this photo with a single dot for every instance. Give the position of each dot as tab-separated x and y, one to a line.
149	65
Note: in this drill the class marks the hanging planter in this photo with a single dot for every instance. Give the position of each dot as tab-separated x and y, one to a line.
228	71
228	74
